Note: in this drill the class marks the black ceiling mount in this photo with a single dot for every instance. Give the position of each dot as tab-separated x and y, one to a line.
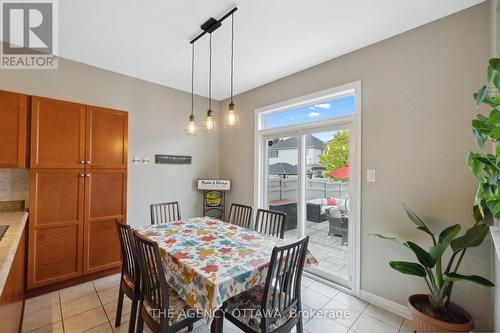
212	24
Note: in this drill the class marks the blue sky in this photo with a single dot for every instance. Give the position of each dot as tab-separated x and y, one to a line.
325	110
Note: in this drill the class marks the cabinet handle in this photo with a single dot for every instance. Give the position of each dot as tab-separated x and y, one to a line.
82	175
87	175
82	162
88	162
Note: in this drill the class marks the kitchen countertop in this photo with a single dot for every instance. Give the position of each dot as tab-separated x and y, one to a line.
16	220
495	235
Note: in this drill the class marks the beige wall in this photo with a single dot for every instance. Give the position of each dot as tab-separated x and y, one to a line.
416	111
157	116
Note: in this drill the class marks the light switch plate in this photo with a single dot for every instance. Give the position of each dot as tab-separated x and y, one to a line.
370	176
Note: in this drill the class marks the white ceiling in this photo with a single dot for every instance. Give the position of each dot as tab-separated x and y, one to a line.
274	38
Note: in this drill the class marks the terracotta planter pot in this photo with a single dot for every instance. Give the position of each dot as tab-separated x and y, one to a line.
424	323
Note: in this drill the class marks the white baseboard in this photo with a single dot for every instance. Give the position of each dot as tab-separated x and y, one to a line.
384	303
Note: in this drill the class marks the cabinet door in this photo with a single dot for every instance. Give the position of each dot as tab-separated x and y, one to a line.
106	138
12	296
13	127
57	134
56	225
105	197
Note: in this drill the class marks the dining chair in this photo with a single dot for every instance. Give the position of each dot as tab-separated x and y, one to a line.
275	307
270	222
130	275
165	212
163	310
240	215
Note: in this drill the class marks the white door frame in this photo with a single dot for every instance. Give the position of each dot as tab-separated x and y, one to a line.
353	122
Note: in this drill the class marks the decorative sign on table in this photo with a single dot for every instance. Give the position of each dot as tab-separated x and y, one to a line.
172	159
214	184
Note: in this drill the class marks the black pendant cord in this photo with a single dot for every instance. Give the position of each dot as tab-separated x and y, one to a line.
192	80
210	75
232	55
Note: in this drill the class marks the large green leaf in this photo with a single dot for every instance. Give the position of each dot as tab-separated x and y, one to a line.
478	137
493	68
496	81
494	117
495	133
418	222
481	95
445	237
475	165
423	256
452	277
390	238
494	206
473	237
410	268
476	213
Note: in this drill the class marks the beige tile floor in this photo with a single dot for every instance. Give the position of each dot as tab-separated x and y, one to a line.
91	307
332	254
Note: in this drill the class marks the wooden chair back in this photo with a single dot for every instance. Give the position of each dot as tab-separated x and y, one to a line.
154	284
165	212
130	266
240	215
270	222
282	291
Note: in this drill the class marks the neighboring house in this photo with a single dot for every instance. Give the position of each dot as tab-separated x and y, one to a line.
285	151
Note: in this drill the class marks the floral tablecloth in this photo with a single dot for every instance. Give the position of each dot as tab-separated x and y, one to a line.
209	261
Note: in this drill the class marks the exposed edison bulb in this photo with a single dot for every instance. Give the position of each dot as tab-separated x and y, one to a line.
231	120
191	127
210	124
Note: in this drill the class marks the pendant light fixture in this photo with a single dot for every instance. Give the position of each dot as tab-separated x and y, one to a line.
192	126
210	124
232	120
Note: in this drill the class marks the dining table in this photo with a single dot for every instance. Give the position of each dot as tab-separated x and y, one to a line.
208	261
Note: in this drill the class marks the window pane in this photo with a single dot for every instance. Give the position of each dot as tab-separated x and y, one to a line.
325	110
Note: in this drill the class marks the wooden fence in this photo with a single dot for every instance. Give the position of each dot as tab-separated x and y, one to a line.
287	188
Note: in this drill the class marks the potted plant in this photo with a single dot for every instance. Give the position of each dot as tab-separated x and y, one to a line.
434	312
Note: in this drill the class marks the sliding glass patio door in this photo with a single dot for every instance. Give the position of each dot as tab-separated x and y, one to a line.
307	164
307	176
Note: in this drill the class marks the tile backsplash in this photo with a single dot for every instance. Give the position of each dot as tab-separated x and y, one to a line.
14	184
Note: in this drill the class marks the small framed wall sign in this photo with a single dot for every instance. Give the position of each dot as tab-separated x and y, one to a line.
214	184
172	159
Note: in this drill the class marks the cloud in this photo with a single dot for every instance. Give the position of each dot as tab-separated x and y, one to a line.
312	108
323	105
313	114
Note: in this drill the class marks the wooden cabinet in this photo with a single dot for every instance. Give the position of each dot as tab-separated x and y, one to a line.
56	225
13	129
57	134
71	135
77	189
106	138
105	200
12	297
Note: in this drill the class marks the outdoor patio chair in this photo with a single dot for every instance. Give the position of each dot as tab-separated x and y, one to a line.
338	223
